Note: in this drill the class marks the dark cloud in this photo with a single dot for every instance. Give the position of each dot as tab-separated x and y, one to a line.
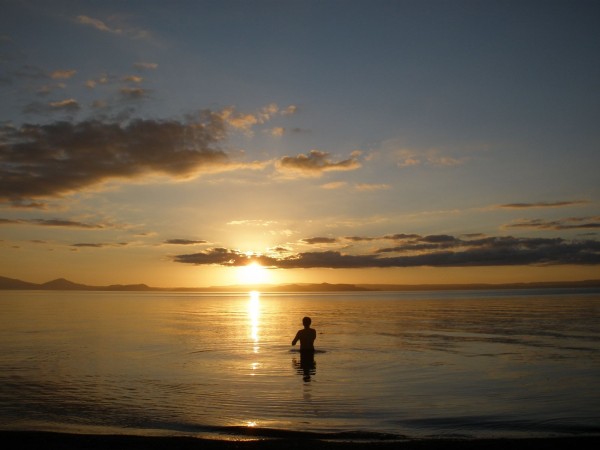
183	242
61	157
543	204
29	205
401	237
493	251
63	223
59	223
315	163
219	256
570	223
319	240
98	245
360	238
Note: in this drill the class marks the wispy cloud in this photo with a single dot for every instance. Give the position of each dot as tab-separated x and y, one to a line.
314	164
62	74
543	204
334	185
367	187
69	105
184	242
432	157
134	93
570	223
247	121
252	223
99	244
55	223
120	29
133	79
319	240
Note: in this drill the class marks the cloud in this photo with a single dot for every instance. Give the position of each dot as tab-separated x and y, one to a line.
62	74
276	131
401	236
496	251
183	242
133	93
145	66
99	245
29	205
55	223
432	157
543	204
334	185
360	238
51	160
120	29
290	110
219	256
247	121
97	24
570	223
367	187
133	79
102	79
237	120
69	104
252	223
319	240
315	164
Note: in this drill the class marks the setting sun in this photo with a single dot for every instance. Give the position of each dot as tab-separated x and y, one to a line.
253	273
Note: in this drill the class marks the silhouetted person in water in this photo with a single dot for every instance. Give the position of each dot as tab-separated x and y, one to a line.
307	337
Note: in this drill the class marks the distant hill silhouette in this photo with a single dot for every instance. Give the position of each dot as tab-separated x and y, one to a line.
61	284
10	283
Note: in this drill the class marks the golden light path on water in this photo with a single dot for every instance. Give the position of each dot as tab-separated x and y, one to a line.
254	316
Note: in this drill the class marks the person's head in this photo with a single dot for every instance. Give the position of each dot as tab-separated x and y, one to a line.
306	322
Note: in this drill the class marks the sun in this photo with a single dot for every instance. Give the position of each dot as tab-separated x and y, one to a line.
253	273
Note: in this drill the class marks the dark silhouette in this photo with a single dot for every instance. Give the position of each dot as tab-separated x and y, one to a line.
307	337
307	365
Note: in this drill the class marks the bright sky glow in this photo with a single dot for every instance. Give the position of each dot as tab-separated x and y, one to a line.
379	141
253	273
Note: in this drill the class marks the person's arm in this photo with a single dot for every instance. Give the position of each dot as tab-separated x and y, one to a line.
296	338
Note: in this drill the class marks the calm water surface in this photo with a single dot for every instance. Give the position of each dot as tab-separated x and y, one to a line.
478	363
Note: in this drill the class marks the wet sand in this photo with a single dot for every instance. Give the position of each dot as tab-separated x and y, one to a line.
64	441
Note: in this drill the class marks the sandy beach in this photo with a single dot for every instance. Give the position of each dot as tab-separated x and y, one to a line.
24	439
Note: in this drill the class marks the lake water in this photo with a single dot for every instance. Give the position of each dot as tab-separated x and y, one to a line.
424	364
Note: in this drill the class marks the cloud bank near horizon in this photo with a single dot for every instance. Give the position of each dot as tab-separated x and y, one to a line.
417	251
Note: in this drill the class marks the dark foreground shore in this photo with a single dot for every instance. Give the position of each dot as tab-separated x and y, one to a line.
63	441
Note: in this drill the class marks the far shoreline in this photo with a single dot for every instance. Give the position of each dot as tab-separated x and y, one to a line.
62	284
73	441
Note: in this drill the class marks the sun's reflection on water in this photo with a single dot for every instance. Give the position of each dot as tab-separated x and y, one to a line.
254	315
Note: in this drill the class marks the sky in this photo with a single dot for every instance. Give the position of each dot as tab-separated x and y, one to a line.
201	143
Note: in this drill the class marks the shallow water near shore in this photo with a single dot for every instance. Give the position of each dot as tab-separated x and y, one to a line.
388	365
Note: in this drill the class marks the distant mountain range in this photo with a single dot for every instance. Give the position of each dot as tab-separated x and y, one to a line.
62	284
